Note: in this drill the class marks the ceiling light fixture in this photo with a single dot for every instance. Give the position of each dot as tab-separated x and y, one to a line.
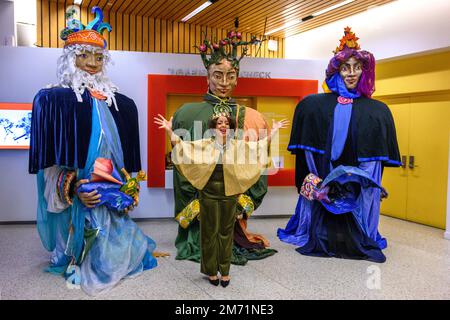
287	25
341	4
199	9
77	2
318	13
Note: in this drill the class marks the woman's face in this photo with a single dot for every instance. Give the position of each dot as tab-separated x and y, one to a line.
222	125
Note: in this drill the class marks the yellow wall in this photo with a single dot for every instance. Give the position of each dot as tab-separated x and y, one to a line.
417	89
278	108
413	75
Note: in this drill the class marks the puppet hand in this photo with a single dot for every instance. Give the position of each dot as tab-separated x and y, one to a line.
276	125
87	199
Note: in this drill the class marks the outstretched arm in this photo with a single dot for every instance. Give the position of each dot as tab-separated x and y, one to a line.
165	124
277	125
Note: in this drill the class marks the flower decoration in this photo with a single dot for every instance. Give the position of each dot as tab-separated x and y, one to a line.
226	48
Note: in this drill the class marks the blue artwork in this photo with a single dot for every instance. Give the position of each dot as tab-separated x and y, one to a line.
15	127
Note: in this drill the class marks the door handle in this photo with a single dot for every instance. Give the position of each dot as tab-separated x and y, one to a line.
412	162
404	162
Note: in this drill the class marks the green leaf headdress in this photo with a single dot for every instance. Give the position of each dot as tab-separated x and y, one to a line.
226	48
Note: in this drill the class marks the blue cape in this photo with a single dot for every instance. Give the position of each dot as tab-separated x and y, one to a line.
61	129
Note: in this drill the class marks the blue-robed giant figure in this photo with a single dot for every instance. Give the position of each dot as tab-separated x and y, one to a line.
83	129
342	140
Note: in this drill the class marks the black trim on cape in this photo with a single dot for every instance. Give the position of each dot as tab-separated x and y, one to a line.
372	134
61	130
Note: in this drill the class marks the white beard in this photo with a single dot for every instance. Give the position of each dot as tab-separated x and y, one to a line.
81	80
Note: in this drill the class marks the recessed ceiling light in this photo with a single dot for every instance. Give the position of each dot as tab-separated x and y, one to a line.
341	4
198	10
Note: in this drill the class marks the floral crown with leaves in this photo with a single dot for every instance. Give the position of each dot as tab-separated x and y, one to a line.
226	48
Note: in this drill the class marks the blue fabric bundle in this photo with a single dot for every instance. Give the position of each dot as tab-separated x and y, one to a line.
345	183
111	197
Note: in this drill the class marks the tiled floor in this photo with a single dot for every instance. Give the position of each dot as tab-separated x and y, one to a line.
417	267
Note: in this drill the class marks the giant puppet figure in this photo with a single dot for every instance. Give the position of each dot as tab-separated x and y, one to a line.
84	141
222	76
342	140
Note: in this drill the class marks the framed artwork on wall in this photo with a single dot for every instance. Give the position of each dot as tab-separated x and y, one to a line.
15	125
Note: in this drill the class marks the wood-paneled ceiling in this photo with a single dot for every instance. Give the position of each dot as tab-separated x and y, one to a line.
251	13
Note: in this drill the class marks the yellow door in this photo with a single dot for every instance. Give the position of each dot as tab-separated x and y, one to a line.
395	180
429	143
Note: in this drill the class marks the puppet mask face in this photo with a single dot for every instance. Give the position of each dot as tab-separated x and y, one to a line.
350	72
90	62
222	79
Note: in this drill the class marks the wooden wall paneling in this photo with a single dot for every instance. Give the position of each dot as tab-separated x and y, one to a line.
151	7
181	35
299	10
180	10
185	8
192	39
94	3
89	15
125	32
61	10
144	9
45	24
133	32
163	37
117	5
103	4
137	33
139	38
187	37
337	14
175	38
278	18
167	9
145	35
53	15
112	34
215	12
151	38
126	7
39	23
84	12
106	34
116	23
157	39
137	8
170	36
119	33
199	36
247	8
